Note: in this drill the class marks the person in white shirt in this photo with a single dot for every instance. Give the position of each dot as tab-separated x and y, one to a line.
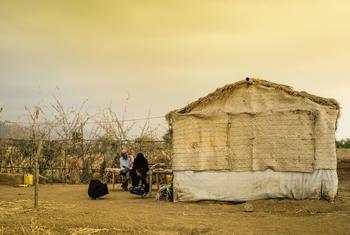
125	167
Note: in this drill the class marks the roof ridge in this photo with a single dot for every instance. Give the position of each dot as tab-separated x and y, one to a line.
255	81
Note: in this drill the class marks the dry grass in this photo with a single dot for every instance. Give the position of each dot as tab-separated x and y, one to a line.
11	208
87	231
8	208
66	209
35	228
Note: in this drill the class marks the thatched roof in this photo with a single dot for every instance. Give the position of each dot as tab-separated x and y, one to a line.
221	92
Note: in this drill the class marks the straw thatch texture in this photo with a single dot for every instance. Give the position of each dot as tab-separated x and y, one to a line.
282	141
227	90
253	126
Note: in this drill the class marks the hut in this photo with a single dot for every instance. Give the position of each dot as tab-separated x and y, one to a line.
253	140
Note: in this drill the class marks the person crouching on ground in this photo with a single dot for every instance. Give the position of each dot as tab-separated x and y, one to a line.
140	162
96	188
143	188
125	167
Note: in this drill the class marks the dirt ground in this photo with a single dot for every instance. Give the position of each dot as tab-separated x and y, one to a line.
66	209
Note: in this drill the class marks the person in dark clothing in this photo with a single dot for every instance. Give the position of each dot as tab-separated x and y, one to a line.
143	186
97	189
139	162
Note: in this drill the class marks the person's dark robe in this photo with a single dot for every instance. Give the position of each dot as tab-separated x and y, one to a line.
139	162
143	187
97	189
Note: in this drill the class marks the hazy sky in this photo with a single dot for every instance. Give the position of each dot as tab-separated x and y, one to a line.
168	53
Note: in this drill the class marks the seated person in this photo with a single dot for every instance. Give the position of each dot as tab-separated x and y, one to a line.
139	162
96	188
125	167
143	187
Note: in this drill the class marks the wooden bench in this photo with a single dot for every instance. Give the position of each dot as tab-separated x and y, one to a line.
114	172
156	169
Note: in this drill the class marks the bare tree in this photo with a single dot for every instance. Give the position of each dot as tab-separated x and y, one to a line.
72	139
40	131
70	128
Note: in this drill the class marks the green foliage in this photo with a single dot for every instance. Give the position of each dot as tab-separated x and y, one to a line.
343	143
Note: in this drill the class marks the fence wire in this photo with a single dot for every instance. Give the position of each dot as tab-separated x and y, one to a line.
71	161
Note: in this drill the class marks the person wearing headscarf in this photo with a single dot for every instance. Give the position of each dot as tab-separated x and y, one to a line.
143	185
139	162
97	189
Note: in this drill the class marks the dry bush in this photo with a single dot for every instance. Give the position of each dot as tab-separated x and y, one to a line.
77	143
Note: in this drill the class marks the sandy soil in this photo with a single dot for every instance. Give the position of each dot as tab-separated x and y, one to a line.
66	209
343	154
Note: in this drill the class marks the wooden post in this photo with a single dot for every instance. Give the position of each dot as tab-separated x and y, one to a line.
36	181
65	165
150	183
85	167
113	180
157	180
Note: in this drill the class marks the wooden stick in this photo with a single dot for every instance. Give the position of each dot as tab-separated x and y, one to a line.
113	181
157	180
36	182
150	183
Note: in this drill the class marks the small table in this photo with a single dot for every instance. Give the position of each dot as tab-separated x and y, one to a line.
114	171
157	172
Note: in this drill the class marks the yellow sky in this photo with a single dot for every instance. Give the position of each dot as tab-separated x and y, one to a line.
168	53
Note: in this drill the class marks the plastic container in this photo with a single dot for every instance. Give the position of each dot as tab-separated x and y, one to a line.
169	179
28	179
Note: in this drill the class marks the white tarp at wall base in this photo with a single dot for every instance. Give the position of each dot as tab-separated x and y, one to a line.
247	186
